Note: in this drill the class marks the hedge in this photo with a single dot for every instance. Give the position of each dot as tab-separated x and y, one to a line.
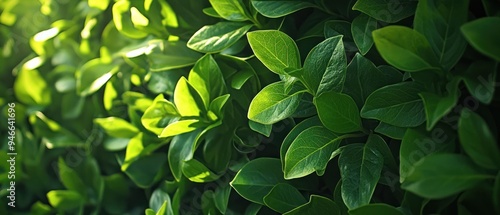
249	107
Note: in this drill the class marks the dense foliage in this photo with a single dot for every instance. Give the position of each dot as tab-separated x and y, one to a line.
251	106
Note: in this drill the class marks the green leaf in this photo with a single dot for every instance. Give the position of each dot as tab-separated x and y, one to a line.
391	131
361	29
217	151
166	55
158	198
187	99
483	35
477	140
316	205
441	175
480	79
221	197
93	75
232	10
438	106
386	10
439	21
53	134
325	67
159	115
196	171
122	17
117	127
65	200
378	143
180	149
362	78
310	151
206	78
254	181
215	38
279	8
272	104
292	135
260	128
31	88
405	49
360	168
284	197
397	104
217	105
180	127
145	170
418	143
70	178
338	112
276	50
378	208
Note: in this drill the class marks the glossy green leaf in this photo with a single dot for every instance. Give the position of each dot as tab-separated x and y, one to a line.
70	178
361	29
254	181
477	140
439	21
284	197
405	49
159	115
386	10
316	205
167	55
93	75
232	10
276	50
310	151
196	171
482	34
179	150
272	104
391	131
260	128
215	38
180	127
438	106
187	100
377	142
325	66
279	8
418	143
206	78
338	112
397	104
377	208
362	78
117	127
65	200
31	88
480	79
360	167
221	197
294	133
441	175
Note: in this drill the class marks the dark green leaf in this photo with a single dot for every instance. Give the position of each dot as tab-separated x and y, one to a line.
215	38
386	10
439	21
376	209
294	133
316	205
279	8
436	106
361	29
405	49
397	104
391	131
418	143
477	140
483	35
338	112
480	79
276	50
254	181
284	197
310	151
272	104
325	67
360	168
441	175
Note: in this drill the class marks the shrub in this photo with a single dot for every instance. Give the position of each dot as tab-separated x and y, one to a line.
250	106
